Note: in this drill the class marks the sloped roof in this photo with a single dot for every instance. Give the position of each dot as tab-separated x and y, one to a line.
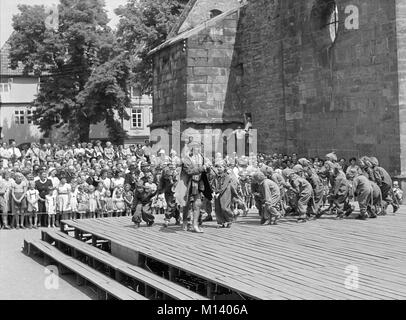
5	69
195	30
188	8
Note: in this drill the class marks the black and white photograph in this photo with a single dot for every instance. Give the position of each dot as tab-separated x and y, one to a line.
210	152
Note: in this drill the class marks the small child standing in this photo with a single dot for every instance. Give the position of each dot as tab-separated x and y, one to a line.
92	203
83	202
32	199
398	193
50	205
100	195
109	205
118	200
74	200
159	205
128	199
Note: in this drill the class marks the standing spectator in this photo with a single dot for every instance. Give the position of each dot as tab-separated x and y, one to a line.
398	192
33	152
146	150
99	149
3	204
109	151
50	204
106	180
32	201
59	153
92	202
343	164
52	176
43	153
19	205
15	153
118	181
89	152
74	199
64	202
43	184
5	155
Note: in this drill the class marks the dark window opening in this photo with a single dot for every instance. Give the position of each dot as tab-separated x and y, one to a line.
324	24
215	13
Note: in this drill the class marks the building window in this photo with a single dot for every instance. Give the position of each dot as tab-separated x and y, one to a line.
215	13
4	87
324	23
29	116
23	117
19	117
332	22
136	118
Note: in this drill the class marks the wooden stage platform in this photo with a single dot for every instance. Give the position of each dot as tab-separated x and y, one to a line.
317	260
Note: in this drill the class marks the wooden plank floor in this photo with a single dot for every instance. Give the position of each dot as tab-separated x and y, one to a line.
287	261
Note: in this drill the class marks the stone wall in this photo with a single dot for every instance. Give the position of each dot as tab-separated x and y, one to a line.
169	84
311	97
201	12
210	57
401	41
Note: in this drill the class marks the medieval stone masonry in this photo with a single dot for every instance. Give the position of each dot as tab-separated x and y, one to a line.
316	75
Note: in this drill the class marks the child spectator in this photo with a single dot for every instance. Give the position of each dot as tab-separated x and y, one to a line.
50	204
118	200
64	201
3	204
74	200
128	199
19	205
158	204
100	199
83	202
92	202
398	192
32	201
109	205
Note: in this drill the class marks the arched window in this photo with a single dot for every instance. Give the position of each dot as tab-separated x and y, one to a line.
215	13
325	22
332	20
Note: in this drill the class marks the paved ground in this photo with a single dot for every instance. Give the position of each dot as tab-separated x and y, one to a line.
22	278
377	246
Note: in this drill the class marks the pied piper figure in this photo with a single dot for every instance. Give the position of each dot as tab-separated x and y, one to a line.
193	186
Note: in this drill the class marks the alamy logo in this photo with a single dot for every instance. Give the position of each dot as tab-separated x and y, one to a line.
51	281
52	17
352	279
352	20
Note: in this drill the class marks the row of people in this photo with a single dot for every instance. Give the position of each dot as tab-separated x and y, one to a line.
97	187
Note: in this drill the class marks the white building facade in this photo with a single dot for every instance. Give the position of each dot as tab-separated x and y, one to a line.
18	91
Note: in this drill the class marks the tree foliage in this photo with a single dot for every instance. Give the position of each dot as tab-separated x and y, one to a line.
83	73
85	67
144	25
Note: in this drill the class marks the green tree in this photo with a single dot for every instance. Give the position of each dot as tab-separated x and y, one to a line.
144	25
83	72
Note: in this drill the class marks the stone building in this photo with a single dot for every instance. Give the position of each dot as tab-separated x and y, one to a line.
316	75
